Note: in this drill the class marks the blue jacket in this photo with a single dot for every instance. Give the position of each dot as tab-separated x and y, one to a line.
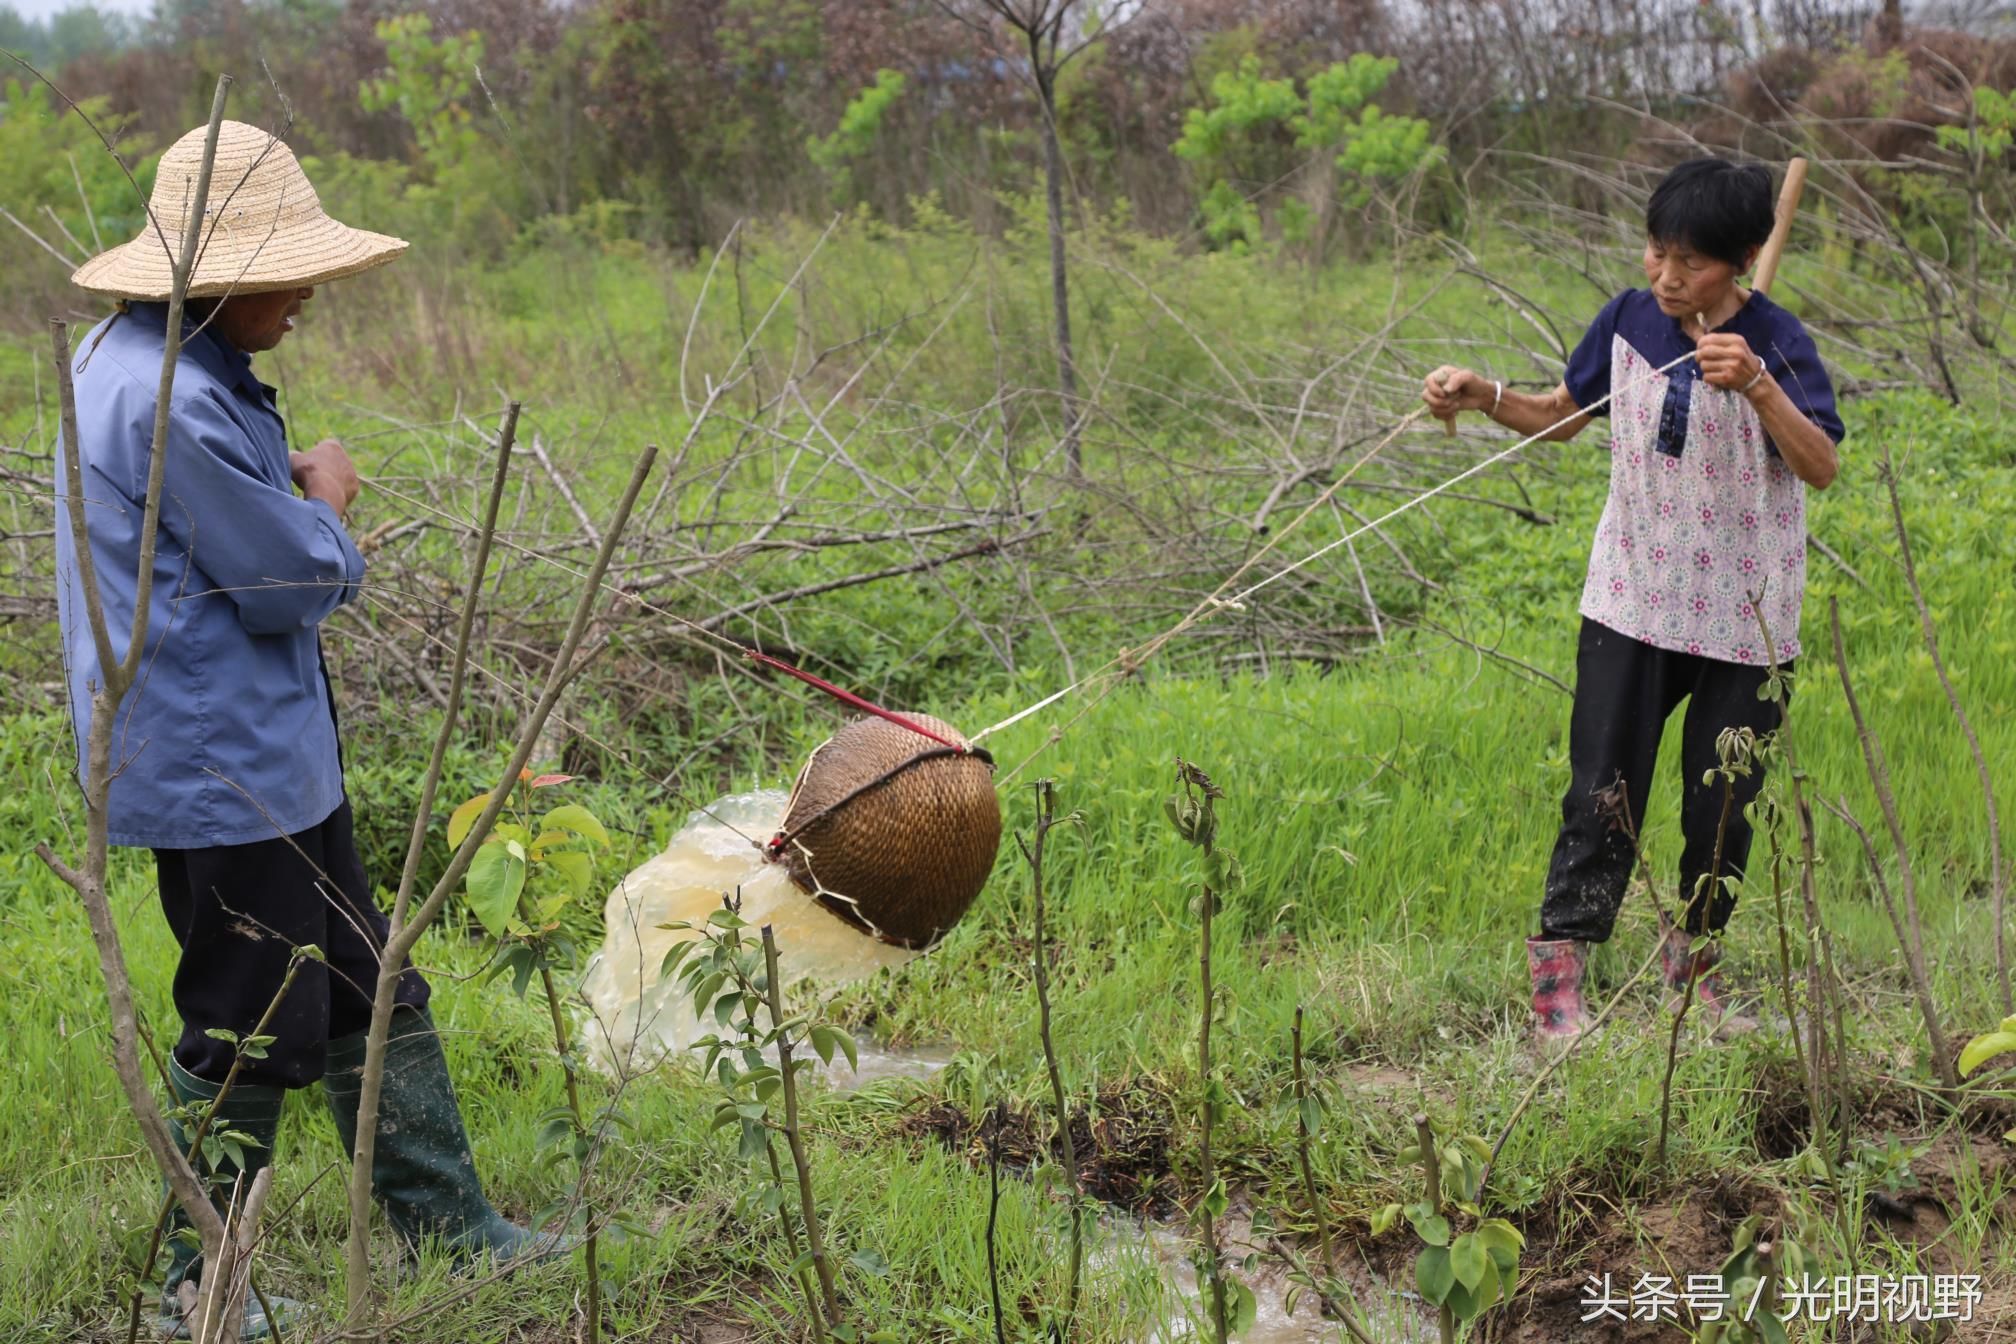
228	734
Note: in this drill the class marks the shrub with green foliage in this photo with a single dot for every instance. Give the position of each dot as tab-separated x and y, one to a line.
860	127
1257	132
49	159
455	189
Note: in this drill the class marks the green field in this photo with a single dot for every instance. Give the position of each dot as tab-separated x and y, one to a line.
1392	794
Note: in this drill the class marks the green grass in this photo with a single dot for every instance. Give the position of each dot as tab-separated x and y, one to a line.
1393	814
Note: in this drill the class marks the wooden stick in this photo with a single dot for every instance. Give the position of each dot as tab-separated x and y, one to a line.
1788	206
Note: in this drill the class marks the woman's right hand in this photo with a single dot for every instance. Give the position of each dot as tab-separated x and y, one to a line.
1451	389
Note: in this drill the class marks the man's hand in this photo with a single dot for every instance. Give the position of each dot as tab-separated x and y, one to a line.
325	472
1727	361
1450	389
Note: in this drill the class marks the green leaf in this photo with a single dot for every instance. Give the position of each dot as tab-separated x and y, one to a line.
825	1038
1984	1048
1241	1308
1468	1260
240	1137
675	954
575	869
496	878
578	819
704	992
727	919
221	1034
1467	1302
870	1263
1433	1274
1433	1229
1384	1219
464	817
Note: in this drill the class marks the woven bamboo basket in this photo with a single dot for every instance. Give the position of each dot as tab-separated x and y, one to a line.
891	831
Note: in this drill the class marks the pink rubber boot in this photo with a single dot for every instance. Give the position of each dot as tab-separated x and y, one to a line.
1557	965
1679	964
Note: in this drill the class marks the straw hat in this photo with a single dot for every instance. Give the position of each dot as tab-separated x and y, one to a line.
892	832
264	226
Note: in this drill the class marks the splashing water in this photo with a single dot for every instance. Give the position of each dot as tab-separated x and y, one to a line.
638	1019
1392	1315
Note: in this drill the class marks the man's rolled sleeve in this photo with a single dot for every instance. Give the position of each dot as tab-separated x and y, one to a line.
285	562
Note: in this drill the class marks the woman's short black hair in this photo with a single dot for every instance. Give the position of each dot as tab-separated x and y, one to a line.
1718	208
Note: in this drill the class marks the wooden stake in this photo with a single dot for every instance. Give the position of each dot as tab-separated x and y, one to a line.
1788	206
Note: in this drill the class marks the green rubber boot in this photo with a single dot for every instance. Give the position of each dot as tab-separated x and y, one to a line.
251	1110
422	1172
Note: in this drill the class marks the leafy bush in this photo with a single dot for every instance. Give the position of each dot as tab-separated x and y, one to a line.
50	161
1257	131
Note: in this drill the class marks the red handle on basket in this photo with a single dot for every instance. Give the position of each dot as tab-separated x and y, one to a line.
855	701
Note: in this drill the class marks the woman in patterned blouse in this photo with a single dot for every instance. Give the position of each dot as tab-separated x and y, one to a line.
1700	552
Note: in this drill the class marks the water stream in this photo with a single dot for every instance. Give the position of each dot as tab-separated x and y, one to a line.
1392	1316
636	1022
636	1018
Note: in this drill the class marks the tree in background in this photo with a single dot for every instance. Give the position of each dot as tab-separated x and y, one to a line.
666	121
860	128
1049	35
1258	138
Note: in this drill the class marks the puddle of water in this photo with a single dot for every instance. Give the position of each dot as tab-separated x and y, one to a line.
637	1019
1390	1316
879	1063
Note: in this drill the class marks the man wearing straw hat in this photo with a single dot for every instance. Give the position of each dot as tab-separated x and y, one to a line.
226	751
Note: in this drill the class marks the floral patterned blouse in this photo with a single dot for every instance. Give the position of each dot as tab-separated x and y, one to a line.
1702	513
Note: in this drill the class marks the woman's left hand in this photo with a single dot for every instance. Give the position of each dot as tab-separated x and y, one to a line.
1727	361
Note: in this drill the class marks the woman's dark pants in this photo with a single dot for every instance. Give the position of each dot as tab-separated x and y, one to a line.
238	912
1624	691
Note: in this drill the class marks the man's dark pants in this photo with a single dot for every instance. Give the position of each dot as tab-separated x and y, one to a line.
1624	691
238	912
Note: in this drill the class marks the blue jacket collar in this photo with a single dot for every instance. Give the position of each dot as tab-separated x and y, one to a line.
217	357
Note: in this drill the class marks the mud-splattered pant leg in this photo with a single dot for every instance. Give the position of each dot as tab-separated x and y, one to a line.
238	911
1624	691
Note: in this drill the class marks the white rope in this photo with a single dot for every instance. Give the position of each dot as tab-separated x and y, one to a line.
1237	600
1022	714
1457	479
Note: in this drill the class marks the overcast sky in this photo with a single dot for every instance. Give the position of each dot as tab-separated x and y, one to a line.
42	9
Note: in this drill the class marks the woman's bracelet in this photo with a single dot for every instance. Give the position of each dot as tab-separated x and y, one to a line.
1755	378
1496	398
